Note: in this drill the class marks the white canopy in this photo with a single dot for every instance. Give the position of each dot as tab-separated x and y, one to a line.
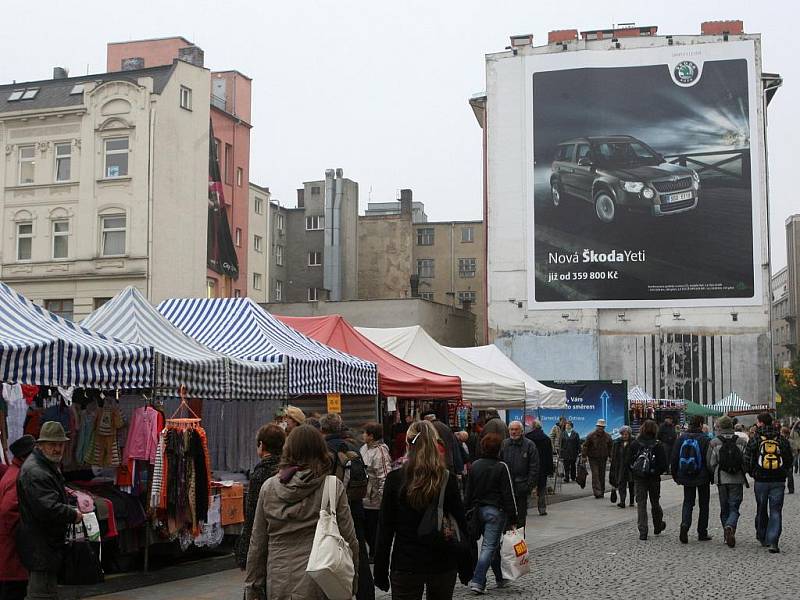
481	386
491	357
731	402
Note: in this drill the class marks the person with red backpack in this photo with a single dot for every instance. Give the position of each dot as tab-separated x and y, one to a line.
726	463
689	469
768	458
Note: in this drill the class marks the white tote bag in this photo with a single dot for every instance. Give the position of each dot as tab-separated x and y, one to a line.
513	549
330	563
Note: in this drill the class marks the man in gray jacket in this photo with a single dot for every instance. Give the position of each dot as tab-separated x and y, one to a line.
522	458
726	462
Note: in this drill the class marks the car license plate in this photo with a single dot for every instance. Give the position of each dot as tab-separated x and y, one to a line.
679	197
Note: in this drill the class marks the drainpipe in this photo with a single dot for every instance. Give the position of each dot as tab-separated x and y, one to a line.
150	161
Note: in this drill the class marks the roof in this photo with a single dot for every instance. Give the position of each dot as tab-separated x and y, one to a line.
396	377
40	348
481	386
731	402
180	360
55	93
156	39
240	328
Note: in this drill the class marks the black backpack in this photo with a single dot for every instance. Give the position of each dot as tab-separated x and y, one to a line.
349	468
730	457
644	465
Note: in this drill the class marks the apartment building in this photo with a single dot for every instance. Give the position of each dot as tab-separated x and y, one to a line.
230	99
781	329
103	181
258	250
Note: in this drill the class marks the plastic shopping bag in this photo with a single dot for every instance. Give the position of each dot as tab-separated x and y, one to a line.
514	556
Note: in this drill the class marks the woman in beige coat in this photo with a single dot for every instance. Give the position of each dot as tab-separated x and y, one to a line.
286	519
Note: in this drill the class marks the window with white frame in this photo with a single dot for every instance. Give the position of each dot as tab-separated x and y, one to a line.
63	307
27	164
467	235
24	240
239	176
315	259
315	223
466	297
238	236
63	161
257	243
281	223
426	296
116	157
425	236
466	267
259	205
186	98
237	293
313	295
256	281
425	267
279	255
278	290
61	239
113	230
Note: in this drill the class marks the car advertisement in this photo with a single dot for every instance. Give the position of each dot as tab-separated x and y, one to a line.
644	186
587	401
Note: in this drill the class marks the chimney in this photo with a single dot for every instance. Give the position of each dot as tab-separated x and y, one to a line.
192	54
301	198
405	203
722	28
60	73
519	41
133	63
562	35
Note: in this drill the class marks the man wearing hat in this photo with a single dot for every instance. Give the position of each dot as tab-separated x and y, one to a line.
293	417
13	576
597	448
44	512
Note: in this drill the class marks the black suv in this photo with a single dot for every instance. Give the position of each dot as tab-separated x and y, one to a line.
620	171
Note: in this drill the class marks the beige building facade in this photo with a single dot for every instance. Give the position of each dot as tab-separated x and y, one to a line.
258	243
104	184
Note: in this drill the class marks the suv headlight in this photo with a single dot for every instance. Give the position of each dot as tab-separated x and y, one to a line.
633	186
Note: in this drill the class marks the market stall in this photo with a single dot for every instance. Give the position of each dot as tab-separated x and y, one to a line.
642	406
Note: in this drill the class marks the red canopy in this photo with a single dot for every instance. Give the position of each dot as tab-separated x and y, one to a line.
396	377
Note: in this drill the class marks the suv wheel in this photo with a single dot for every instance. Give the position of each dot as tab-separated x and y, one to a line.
604	206
555	192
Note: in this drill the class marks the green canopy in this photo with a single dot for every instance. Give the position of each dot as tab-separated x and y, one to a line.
694	409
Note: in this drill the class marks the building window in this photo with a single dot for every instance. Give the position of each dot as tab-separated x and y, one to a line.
239	176
466	297
467	235
211	288
257	243
98	302
216	150
278	290
425	236
228	163
279	255
314	259
62	307
24	240
315	223
117	157
426	296
186	98
113	235
313	296
281	224
27	164
425	267
237	293
238	236
259	205
315	190
466	267
60	239
256	281
63	161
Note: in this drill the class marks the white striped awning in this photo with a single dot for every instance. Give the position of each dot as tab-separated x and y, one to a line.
732	402
637	394
239	327
181	360
40	348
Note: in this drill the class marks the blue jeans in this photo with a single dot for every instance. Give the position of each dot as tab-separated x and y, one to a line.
730	499
769	504
493	524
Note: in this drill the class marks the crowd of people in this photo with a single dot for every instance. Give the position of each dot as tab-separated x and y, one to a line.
482	481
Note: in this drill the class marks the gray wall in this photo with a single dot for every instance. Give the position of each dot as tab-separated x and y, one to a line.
299	242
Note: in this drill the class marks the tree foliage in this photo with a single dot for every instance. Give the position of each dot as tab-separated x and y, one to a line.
786	384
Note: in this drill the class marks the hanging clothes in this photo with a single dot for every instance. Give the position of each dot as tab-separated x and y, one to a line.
106	446
16	408
142	441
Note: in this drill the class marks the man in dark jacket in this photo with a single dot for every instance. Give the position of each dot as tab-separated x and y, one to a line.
647	477
44	512
768	458
522	458
597	448
570	449
689	469
667	435
545	448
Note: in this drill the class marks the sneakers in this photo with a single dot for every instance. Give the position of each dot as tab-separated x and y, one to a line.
659	528
621	505
478	589
774	549
683	536
730	536
703	537
503	583
643	537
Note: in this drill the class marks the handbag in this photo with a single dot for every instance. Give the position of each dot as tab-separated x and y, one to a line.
438	527
581	473
330	563
514	560
80	565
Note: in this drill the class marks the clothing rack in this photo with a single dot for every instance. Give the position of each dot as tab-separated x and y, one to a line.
183	408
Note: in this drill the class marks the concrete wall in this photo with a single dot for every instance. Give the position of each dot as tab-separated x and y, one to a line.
277	231
447	325
385	263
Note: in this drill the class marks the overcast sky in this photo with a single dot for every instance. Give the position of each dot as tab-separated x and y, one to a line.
381	88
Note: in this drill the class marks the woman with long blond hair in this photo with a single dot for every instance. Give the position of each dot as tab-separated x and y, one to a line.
416	565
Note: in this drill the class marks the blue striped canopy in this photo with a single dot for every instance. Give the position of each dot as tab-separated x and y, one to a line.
732	402
40	348
239	327
181	360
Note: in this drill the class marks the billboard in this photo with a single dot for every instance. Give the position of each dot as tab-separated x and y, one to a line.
645	187
587	401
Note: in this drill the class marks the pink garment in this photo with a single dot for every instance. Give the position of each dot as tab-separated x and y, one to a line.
85	501
142	435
